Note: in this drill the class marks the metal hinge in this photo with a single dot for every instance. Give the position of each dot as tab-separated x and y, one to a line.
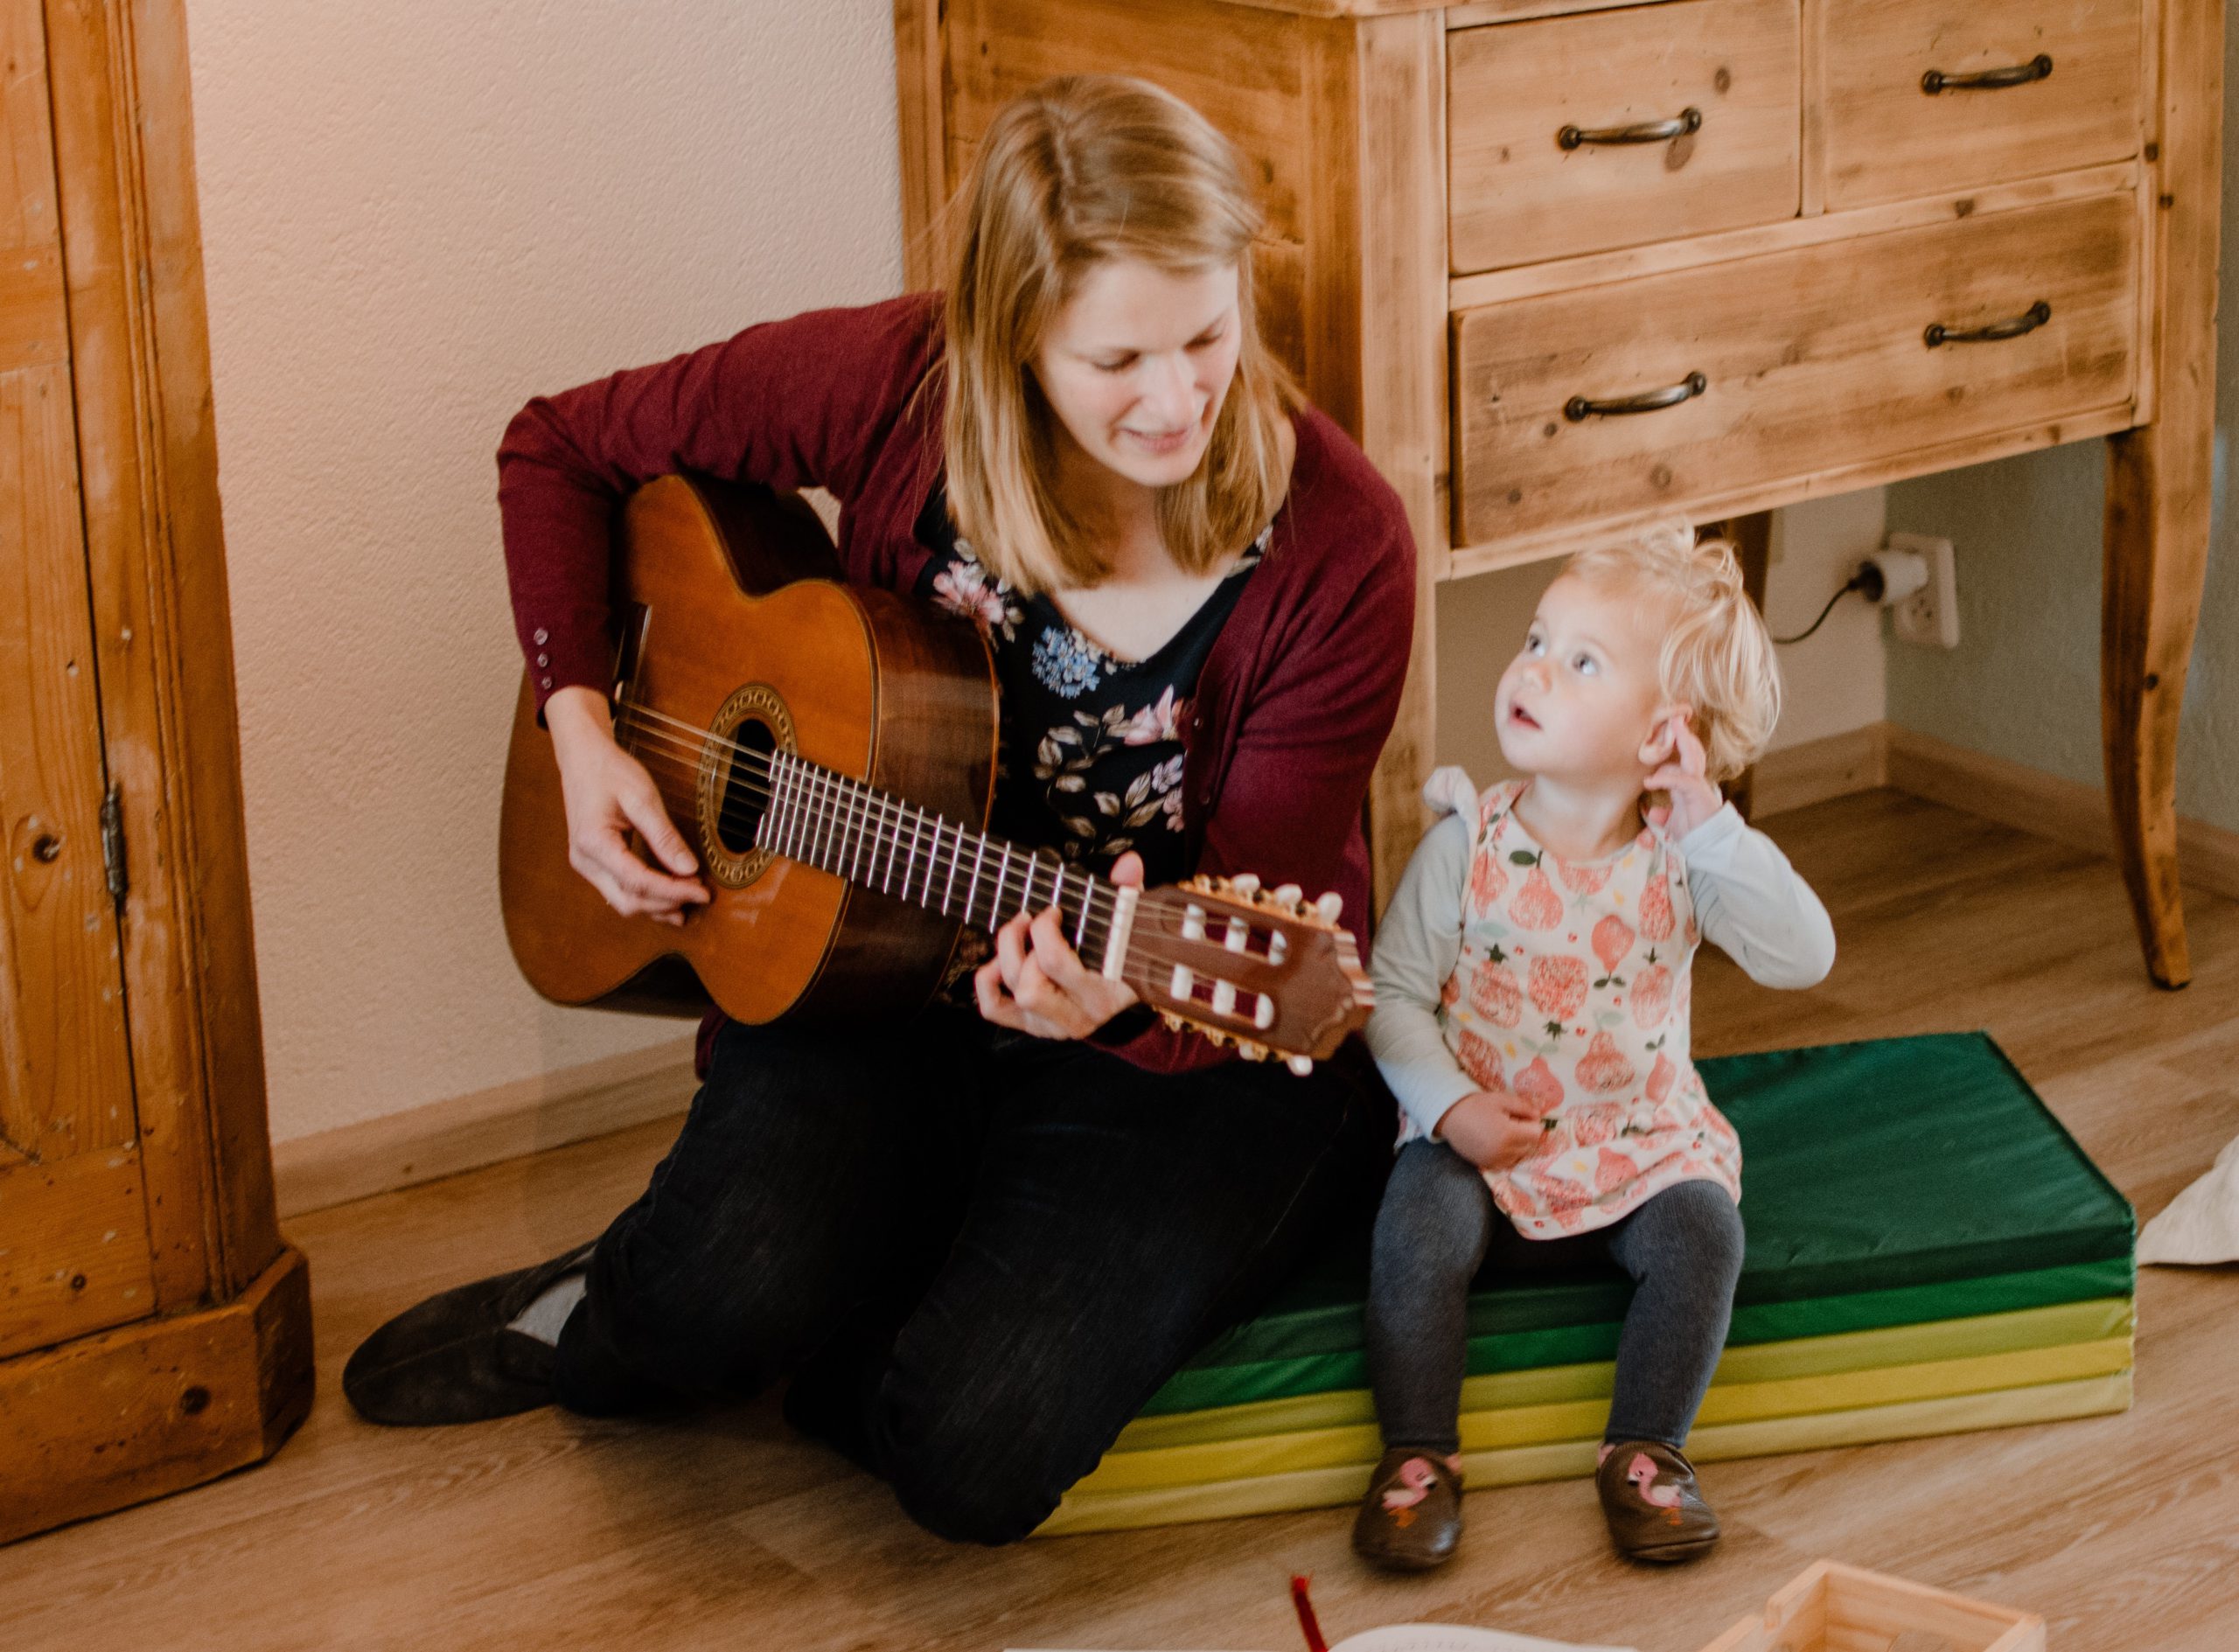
113	847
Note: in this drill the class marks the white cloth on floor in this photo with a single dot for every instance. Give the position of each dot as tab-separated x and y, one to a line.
1447	1637
2201	1225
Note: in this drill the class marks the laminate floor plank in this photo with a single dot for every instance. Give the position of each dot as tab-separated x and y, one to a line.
723	1530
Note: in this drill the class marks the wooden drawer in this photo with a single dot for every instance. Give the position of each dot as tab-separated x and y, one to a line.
1887	137
1519	195
1811	358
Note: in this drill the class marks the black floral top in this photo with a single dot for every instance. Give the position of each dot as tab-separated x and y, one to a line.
1089	760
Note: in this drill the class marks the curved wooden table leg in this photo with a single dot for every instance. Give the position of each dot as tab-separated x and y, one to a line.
2156	558
2158	481
1753	544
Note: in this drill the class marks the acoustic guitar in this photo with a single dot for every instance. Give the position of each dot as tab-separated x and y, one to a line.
829	753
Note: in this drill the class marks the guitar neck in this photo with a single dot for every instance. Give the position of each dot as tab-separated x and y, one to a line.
877	841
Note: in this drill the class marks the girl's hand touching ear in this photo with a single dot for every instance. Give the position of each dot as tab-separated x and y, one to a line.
1694	799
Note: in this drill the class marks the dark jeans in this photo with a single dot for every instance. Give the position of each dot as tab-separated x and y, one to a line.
1439	1226
977	1253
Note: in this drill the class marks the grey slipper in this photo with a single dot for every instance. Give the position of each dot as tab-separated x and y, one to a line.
453	1359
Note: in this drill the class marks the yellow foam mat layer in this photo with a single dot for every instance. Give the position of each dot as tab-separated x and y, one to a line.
1763	1362
1088	1510
1520	1425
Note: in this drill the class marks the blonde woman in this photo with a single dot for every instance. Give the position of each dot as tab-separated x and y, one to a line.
977	1241
1532	982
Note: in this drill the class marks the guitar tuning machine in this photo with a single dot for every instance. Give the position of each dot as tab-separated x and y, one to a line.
1173	1022
1252	1052
1288	899
1302	1066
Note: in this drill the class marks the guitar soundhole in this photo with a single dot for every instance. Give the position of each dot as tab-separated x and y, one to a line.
748	788
733	786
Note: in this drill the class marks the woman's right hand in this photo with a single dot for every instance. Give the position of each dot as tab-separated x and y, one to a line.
1493	1129
609	795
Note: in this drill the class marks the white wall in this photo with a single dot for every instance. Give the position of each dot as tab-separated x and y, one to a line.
416	215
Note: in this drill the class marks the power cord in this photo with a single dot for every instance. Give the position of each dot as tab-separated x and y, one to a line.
1868	579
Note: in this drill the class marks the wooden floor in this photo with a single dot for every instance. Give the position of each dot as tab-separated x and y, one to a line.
549	1532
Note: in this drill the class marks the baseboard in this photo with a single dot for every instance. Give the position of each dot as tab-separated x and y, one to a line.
2031	800
1884	754
1815	770
484	1126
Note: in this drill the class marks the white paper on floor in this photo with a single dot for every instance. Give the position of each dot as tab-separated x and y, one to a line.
2201	1225
1442	1637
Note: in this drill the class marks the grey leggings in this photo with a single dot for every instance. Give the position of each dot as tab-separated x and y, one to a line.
1439	1225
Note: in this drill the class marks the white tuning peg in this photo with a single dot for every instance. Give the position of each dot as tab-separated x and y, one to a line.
1173	1022
1246	883
1299	1064
1252	1052
1288	896
1329	905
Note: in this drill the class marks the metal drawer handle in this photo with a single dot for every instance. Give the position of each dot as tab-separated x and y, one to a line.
2028	321
2037	68
1687	389
1679	125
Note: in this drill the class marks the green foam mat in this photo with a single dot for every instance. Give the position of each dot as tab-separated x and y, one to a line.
1889	1183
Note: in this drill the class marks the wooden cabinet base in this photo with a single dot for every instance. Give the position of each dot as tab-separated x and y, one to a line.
153	1408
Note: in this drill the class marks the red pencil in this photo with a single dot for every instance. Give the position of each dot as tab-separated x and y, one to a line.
1306	1618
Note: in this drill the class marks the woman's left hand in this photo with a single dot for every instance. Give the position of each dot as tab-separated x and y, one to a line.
1037	984
1694	799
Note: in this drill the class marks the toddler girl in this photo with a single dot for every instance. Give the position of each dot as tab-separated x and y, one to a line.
1532	986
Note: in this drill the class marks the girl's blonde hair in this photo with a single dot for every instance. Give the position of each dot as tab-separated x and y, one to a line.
1079	170
1717	655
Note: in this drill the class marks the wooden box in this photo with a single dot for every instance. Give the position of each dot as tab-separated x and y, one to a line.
1837	1608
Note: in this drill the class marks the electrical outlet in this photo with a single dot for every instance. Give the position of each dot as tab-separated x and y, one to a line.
1930	616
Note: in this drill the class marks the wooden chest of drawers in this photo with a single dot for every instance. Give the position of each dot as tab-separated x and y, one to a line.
1564	265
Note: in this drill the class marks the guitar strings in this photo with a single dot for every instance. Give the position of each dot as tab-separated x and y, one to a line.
859	803
682	746
1137	972
847	793
877	808
823	803
680	750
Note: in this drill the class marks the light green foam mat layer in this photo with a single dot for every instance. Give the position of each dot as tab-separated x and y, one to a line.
1887	1183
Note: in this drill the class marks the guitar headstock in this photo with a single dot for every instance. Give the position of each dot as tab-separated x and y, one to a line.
1263	969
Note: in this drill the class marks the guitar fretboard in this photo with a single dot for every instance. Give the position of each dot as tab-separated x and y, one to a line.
875	840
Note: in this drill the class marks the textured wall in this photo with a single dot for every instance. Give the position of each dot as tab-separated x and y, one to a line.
416	215
2024	682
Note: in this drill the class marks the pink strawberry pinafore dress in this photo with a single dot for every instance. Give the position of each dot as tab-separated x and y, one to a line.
1572	990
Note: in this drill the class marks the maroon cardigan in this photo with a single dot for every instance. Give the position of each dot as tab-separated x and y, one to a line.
1295	700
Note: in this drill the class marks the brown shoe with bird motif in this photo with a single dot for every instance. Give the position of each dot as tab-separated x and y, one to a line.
1654	1509
1411	1519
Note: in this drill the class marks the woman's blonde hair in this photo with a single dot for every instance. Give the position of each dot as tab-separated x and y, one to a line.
1079	170
1717	655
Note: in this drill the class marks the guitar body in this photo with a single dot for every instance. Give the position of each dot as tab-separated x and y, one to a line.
738	629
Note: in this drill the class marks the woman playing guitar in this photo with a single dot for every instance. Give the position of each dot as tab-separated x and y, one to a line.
977	1238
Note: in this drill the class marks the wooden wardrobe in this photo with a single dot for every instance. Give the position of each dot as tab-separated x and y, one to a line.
154	1332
